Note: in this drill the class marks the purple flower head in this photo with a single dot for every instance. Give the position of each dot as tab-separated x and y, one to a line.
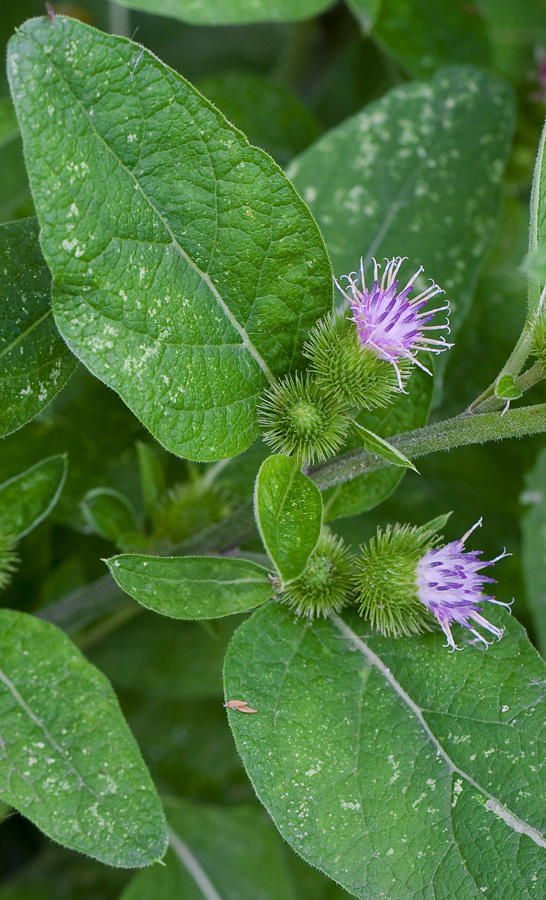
388	322
449	585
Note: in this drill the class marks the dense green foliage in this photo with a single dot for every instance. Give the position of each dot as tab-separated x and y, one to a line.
182	412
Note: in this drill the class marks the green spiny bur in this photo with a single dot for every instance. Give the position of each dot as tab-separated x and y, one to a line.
326	586
299	420
385	580
348	371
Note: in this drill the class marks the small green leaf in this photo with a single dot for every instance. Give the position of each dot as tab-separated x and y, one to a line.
231	12
288	509
35	362
218	853
506	388
152	479
375	444
438	523
109	513
69	762
187	270
90	423
28	498
396	751
192	587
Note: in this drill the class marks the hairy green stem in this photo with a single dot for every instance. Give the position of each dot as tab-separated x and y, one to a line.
103	597
457	432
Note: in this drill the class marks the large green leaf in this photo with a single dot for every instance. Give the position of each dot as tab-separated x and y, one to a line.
288	509
403	414
35	362
231	12
398	768
187	271
192	587
216	853
29	497
418	174
69	762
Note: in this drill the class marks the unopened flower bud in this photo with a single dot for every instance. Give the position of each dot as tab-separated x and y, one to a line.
326	586
300	421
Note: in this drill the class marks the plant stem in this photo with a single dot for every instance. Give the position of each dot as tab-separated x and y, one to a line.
456	432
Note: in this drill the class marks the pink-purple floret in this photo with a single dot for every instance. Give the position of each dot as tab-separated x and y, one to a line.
449	585
390	323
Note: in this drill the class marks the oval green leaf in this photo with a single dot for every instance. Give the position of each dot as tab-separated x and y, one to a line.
35	362
288	509
187	270
394	751
192	587
68	761
28	498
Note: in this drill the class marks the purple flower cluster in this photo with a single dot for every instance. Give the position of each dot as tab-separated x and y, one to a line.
449	585
389	322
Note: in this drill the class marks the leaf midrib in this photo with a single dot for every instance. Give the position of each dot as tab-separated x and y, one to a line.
247	343
495	805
